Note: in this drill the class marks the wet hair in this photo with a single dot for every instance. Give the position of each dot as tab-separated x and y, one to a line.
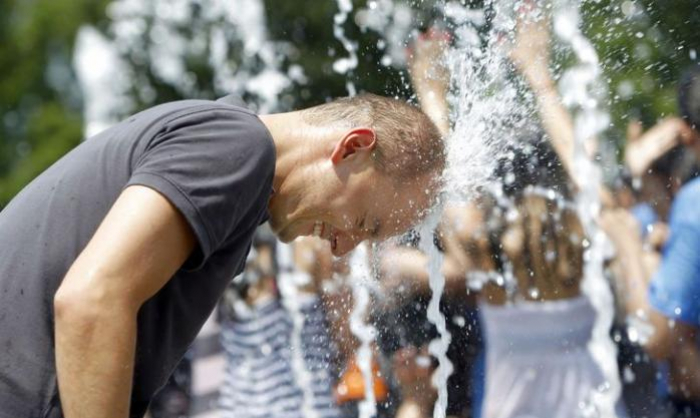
689	97
532	163
551	253
408	144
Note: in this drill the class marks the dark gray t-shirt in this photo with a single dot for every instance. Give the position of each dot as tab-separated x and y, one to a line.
213	160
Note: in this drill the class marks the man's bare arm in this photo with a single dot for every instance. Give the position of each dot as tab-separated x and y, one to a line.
141	243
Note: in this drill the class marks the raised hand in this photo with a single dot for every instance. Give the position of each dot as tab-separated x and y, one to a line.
642	151
530	49
429	75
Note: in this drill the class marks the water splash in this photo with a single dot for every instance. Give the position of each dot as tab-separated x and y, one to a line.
248	23
347	64
485	110
582	92
438	347
361	276
161	37
104	80
394	22
289	281
486	103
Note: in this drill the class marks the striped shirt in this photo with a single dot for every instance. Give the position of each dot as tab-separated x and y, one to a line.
260	378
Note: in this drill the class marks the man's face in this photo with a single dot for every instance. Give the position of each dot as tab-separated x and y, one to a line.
368	205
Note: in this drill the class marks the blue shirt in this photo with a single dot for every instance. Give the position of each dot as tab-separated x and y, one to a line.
675	288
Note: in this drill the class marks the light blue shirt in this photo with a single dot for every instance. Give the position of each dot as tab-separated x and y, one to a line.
675	288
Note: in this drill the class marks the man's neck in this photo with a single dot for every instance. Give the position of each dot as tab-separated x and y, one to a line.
296	143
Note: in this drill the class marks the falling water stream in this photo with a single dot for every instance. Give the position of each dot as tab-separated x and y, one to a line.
360	276
438	347
347	64
582	93
360	271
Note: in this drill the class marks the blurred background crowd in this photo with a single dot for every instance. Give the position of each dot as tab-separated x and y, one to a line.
284	340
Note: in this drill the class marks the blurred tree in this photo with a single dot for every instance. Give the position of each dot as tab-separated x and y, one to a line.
644	45
39	99
300	33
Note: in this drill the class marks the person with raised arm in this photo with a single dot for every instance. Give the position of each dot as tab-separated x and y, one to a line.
528	258
663	295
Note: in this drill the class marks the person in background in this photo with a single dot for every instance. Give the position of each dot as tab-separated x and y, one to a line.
405	332
262	378
537	324
663	298
658	161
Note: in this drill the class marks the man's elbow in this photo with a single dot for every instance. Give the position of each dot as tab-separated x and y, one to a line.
84	306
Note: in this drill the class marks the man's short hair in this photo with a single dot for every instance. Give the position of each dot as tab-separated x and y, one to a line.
408	144
689	97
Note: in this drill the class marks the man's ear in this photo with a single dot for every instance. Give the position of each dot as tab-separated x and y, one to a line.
358	140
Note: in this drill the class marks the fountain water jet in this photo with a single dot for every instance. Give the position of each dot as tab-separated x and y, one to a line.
360	271
160	38
581	91
361	276
348	64
485	105
438	347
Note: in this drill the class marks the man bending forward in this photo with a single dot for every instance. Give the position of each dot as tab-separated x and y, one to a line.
112	259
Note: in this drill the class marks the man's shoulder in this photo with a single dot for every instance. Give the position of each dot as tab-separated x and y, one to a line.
219	117
183	108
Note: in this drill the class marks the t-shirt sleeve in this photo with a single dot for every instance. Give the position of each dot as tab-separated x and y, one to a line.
216	166
675	288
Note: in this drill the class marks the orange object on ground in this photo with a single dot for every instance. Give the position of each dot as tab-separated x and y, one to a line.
351	386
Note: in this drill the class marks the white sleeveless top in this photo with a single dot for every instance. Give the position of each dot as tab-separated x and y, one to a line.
537	361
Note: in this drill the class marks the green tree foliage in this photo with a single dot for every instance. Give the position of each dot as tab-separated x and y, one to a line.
645	46
39	101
